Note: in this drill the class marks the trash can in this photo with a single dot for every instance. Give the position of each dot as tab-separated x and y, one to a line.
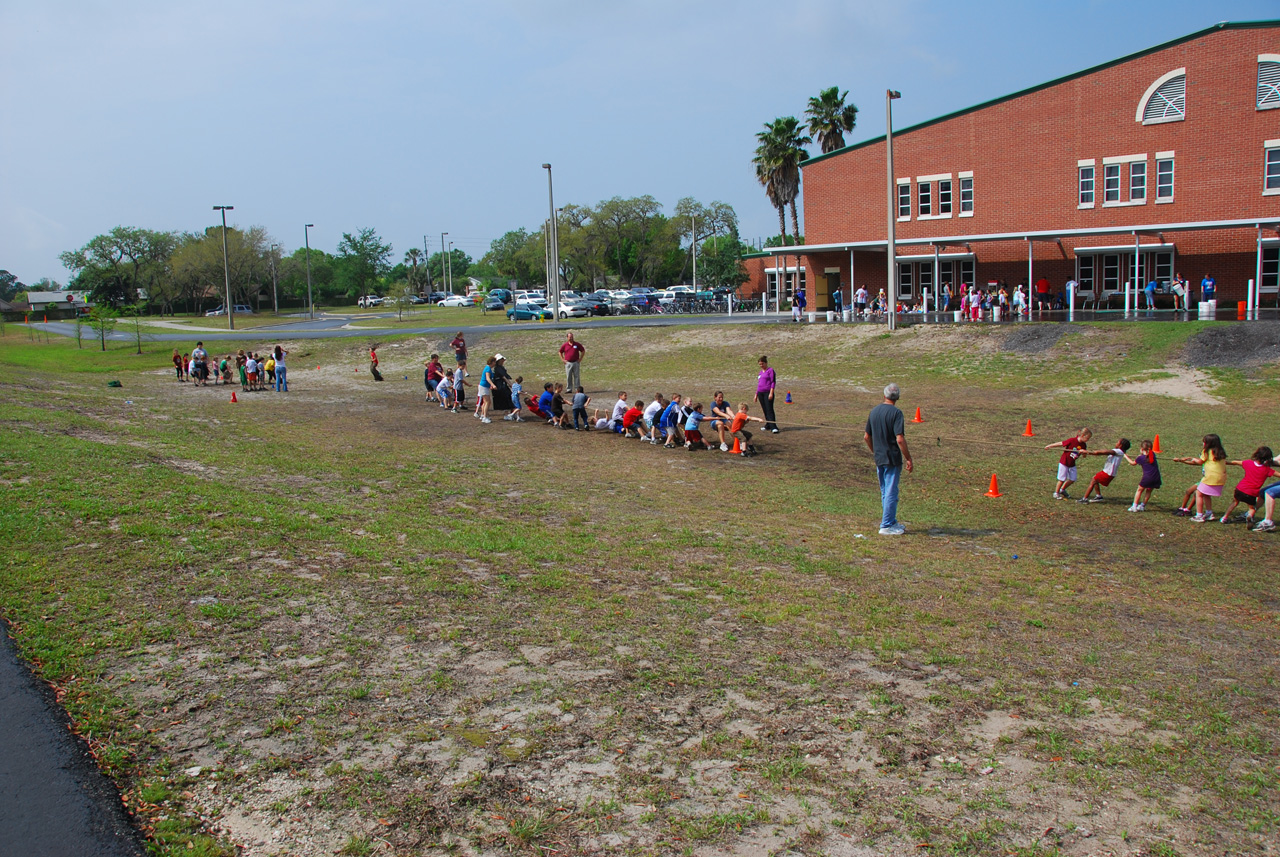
848	315
831	316
958	314
813	316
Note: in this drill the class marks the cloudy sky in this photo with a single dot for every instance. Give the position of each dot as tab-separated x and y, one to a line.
420	118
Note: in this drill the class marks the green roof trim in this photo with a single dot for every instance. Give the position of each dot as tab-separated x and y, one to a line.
1223	25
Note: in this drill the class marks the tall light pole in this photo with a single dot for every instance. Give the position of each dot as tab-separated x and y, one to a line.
226	265
306	236
693	245
426	256
275	282
555	240
449	258
443	252
892	247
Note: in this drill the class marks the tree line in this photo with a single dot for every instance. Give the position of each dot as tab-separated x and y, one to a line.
781	151
626	242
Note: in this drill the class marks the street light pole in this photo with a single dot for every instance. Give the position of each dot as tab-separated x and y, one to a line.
693	245
306	236
275	282
892	245
226	265
555	240
443	252
449	259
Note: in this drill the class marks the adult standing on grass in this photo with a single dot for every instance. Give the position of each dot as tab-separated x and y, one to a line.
200	359
887	441
765	385
571	352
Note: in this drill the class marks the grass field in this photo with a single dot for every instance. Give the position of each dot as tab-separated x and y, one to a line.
343	621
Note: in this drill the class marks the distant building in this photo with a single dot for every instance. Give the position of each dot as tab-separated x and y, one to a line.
63	300
1160	162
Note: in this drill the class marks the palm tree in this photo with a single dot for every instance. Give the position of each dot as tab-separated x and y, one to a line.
777	161
413	258
830	118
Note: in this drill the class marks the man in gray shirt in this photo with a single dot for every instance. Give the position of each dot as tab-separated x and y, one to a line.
886	439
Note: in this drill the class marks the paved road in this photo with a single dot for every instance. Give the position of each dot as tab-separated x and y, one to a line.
54	802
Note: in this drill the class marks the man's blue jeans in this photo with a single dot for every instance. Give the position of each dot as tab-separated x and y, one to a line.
889	478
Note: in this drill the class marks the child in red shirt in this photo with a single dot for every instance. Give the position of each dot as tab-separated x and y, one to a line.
1072	448
1257	470
630	420
738	428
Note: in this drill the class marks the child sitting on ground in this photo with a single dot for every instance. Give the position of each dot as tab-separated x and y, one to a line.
1213	461
1257	470
1150	476
692	435
738	428
1072	449
1103	477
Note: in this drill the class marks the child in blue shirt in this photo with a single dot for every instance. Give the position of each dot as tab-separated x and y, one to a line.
692	435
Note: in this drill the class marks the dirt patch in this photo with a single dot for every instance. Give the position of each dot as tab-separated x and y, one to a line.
1190	385
1036	338
1252	344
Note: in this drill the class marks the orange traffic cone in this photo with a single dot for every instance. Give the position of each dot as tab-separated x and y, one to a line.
737	447
917	418
234	400
1155	447
1028	432
994	490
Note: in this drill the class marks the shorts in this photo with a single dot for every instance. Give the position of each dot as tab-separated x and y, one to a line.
484	392
693	436
1153	485
1273	492
1103	478
1066	474
1247	499
253	377
743	435
1209	490
648	423
459	357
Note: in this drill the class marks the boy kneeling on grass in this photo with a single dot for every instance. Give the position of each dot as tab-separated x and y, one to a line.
1103	477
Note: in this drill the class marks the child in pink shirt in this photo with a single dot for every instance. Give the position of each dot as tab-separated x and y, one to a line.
1257	470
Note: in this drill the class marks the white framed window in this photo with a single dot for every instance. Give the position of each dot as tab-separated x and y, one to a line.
1271	168
944	196
924	198
1087	174
966	274
1268	81
1084	273
1138	181
1270	282
966	195
904	279
1110	183
1164	267
1111	272
904	200
1164	177
926	277
1165	100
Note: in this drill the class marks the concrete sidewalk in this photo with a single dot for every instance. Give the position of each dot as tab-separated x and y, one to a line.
54	802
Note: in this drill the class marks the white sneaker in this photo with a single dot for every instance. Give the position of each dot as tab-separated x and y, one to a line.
724	447
1142	507
485	420
896	530
1199	519
520	419
1133	508
1264	526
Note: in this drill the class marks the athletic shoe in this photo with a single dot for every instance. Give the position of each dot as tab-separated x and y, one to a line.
1097	499
1065	495
1200	518
724	447
1133	508
1084	500
521	420
895	530
668	445
1182	513
1224	520
1264	526
1057	495
1208	516
775	431
485	420
1142	507
509	417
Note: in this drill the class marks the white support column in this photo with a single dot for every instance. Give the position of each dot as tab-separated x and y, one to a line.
1031	279
1254	303
853	287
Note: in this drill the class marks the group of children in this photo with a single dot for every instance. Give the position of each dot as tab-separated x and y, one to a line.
674	422
256	372
1197	502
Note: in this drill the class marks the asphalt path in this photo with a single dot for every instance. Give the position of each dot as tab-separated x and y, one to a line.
54	802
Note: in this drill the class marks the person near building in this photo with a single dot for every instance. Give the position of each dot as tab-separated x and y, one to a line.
1044	294
860	298
1149	290
885	436
1179	289
837	302
1208	288
765	384
571	352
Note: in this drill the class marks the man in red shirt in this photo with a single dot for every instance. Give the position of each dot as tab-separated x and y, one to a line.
1044	293
571	352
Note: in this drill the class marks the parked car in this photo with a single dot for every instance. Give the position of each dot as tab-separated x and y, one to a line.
628	305
531	298
240	309
492	302
524	311
458	300
417	299
596	305
436	297
369	301
573	308
503	295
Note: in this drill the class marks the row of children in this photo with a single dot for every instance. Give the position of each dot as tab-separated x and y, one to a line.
674	422
1197	502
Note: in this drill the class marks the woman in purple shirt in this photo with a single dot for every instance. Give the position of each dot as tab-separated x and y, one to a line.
764	394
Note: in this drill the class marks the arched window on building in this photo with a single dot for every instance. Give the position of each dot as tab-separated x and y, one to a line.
1165	100
1268	81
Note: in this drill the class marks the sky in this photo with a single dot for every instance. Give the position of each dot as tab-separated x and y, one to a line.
417	118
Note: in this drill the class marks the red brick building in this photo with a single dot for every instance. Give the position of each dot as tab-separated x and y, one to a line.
1164	161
